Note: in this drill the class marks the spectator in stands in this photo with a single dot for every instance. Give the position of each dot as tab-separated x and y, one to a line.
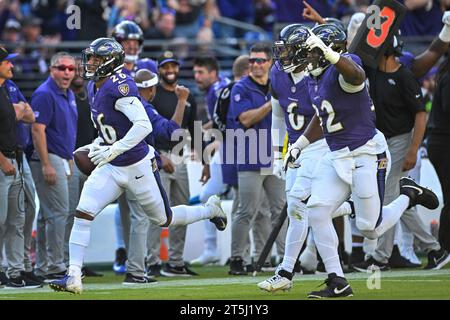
289	11
188	16
439	145
32	60
11	34
132	10
93	17
242	11
264	15
9	9
423	18
164	26
54	137
12	218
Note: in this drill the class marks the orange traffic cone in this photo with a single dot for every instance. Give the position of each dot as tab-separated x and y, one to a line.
164	247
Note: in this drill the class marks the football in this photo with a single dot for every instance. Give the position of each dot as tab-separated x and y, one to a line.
82	161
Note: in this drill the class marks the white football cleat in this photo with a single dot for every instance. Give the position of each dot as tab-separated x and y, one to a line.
276	283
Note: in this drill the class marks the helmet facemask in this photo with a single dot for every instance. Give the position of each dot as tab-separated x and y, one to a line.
289	57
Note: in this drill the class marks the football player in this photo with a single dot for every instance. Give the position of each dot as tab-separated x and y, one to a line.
291	112
125	162
358	158
130	36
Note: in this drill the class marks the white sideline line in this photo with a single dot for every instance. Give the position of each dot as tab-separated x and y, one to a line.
238	280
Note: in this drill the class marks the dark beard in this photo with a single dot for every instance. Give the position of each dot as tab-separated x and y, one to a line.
163	77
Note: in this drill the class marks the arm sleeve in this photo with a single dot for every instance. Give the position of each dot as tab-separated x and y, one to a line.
278	124
42	105
133	109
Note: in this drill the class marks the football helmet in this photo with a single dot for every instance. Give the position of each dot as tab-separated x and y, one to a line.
333	37
289	51
102	58
338	23
129	30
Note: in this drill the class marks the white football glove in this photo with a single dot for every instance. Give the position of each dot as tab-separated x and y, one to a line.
314	41
291	156
89	147
278	168
446	18
101	155
444	35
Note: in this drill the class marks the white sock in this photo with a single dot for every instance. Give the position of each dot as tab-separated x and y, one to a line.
326	239
210	238
392	213
78	242
343	210
183	215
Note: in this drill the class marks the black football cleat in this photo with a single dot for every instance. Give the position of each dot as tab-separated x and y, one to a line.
418	194
337	287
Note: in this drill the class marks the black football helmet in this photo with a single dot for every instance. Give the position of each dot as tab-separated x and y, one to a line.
333	37
290	51
338	23
102	58
129	30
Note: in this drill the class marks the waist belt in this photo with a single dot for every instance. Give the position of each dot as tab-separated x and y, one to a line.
10	154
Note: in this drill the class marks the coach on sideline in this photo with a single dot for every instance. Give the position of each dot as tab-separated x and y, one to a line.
12	218
54	136
251	108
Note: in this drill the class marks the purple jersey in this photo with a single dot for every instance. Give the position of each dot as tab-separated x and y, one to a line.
112	124
348	119
145	63
213	94
294	100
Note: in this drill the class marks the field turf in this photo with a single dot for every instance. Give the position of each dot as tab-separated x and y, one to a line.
214	283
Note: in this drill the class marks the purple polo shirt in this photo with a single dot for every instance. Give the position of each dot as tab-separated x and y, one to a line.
23	129
256	150
57	110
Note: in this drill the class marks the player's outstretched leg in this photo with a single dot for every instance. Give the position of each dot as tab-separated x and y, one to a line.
337	287
212	209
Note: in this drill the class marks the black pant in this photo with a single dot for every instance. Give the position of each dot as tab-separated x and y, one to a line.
439	153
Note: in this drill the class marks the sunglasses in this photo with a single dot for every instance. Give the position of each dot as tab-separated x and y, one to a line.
63	67
257	60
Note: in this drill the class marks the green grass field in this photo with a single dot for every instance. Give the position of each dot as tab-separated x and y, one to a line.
215	283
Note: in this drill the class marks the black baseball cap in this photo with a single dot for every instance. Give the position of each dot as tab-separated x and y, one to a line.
167	56
5	55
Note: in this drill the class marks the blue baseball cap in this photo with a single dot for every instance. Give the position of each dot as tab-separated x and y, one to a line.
5	55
